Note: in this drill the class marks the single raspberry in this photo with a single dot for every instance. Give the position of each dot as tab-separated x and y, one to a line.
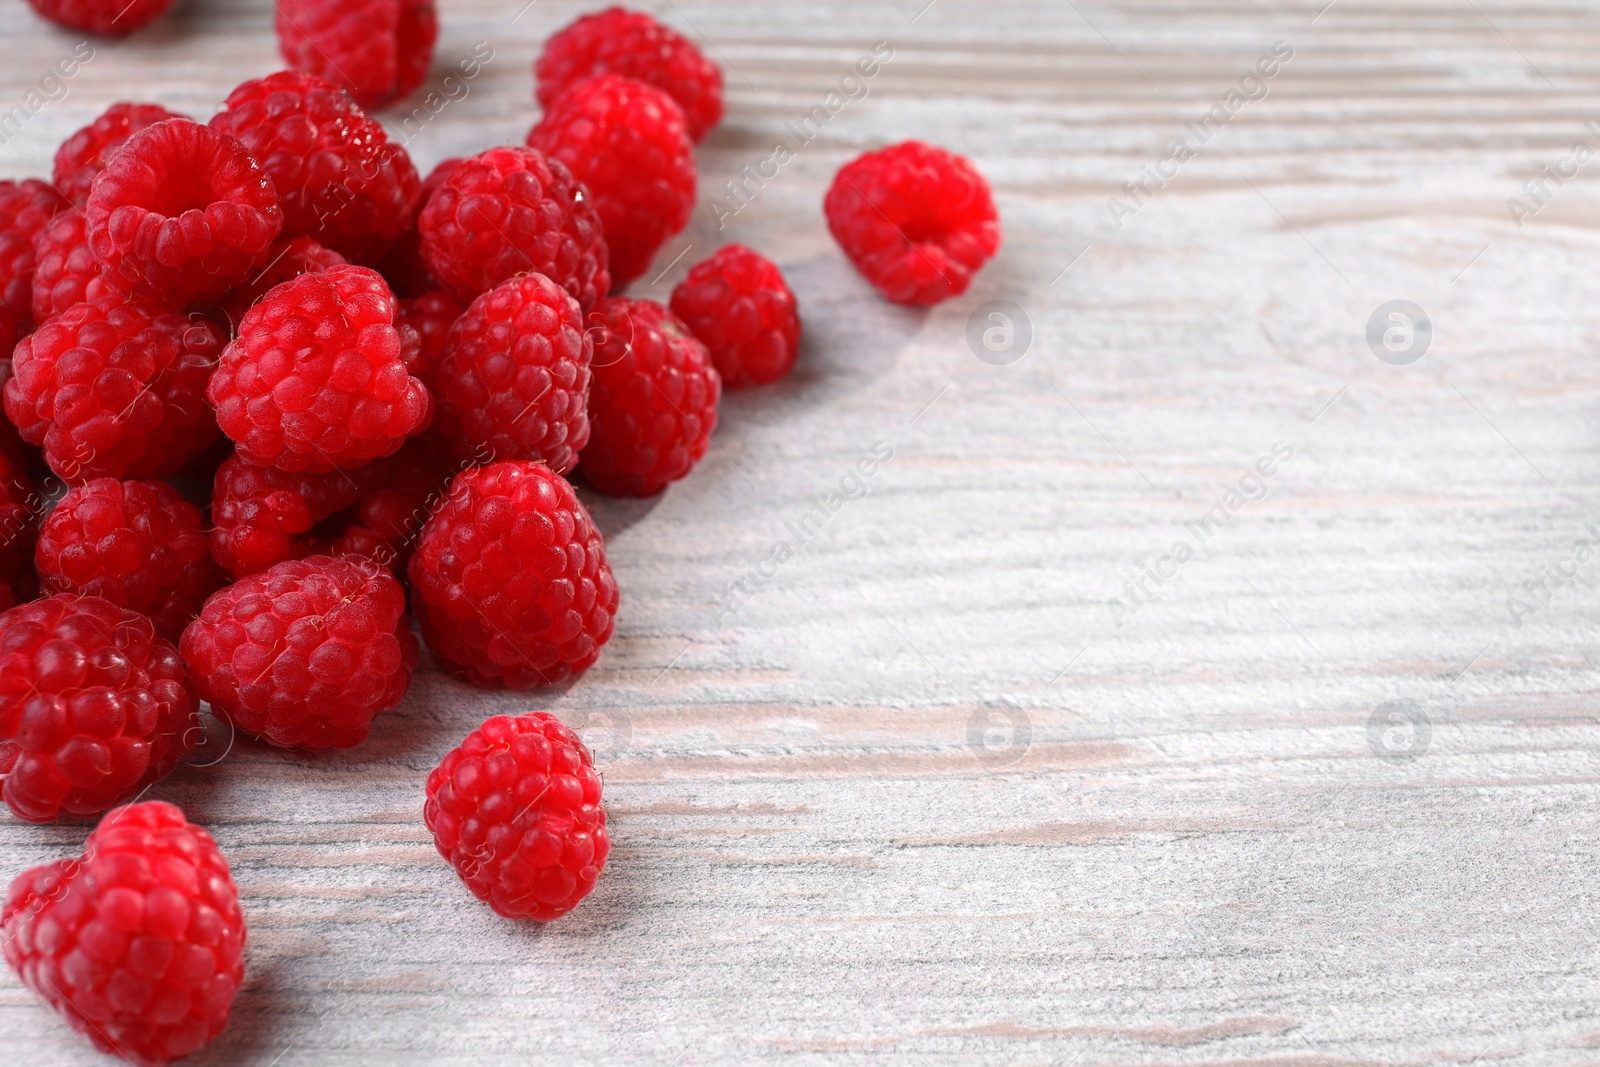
654	402
306	653
386	525
339	177
181	213
84	154
508	211
634	45
510	581
402	265
93	706
137	544
516	810
741	309
515	375
917	221
430	317
25	208
288	260
627	143
108	18
139	942
115	390
377	49
314	379
67	272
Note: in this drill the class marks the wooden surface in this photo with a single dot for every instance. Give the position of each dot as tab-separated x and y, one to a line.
920	797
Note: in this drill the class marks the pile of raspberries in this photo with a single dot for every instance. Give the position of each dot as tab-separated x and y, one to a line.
305	403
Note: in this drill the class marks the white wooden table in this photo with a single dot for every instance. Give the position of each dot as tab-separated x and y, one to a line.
920	796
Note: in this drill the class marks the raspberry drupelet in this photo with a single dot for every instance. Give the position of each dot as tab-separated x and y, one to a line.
25	208
84	154
93	706
139	942
66	272
379	50
654	402
181	213
509	580
917	221
107	18
514	377
741	309
306	653
627	143
516	810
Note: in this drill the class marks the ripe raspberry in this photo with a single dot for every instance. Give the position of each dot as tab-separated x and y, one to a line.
508	211
402	265
84	154
509	579
377	49
634	45
19	526
741	309
181	213
314	379
67	272
305	654
516	810
430	316
654	402
138	943
115	390
339	177
288	260
627	143
25	207
93	706
108	18
137	544
917	221
515	375
387	523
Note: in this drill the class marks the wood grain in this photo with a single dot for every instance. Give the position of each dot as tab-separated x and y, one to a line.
1183	843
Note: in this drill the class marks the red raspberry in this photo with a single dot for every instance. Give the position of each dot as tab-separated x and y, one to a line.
510	581
339	177
515	375
13	327
108	18
408	275
138	943
386	525
508	211
314	380
25	207
84	154
634	45
93	706
115	390
627	143
137	544
917	221
741	309
305	654
377	49
181	213
289	259
430	316
67	272
19	526
516	810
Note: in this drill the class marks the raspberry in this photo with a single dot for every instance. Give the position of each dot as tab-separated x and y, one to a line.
508	211
314	379
288	260
19	526
181	213
84	154
430	316
138	943
740	308
634	45
515	374
93	706
379	50
306	653
917	221
25	208
13	327
627	143
516	810
509	580
385	526
137	544
67	272
115	390
108	18
654	402
402	265
339	177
